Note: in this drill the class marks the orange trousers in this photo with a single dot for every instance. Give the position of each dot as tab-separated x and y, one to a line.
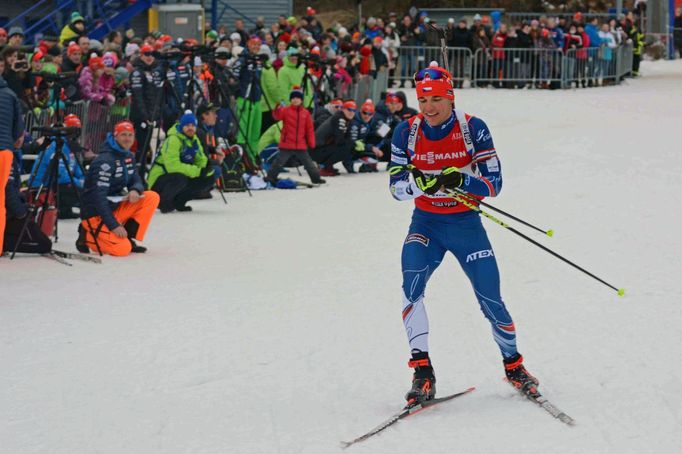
140	212
6	157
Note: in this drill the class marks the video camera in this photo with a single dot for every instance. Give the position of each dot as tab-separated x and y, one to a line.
58	77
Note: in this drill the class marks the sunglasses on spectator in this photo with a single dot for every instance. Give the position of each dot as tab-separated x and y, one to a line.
352	110
434	74
148	54
364	112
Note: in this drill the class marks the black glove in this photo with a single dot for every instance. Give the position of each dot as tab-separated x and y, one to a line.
206	171
428	184
450	178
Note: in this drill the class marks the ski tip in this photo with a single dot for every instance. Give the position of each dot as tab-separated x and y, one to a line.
621	292
345	444
473	388
550	233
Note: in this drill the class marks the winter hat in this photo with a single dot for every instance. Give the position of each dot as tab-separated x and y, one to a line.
236	37
254	40
350	105
336	102
292	51
76	17
367	106
131	49
188	118
49	68
37	56
72	121
296	92
441	86
95	45
310	12
451	20
146	49
54	51
15	31
95	63
292	20
392	98
121	74
73	47
3	32
343	31
123	126
477	17
110	59
212	34
222	51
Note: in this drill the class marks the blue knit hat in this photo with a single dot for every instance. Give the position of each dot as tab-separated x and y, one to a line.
187	118
296	92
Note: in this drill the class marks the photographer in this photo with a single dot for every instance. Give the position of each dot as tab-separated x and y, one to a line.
247	71
66	192
145	83
115	204
332	140
222	88
291	75
16	73
181	172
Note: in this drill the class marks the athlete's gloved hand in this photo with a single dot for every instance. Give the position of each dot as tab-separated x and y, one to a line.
428	184
450	178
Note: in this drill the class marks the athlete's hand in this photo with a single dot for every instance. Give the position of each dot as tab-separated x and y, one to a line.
120	232
450	178
428	184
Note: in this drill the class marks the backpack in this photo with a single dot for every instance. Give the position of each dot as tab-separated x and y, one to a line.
233	169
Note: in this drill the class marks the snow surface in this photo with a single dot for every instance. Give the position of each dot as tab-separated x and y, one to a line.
272	324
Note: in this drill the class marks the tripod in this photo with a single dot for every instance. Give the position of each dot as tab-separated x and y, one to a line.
51	182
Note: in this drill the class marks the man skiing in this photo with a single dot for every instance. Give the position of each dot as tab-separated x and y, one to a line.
435	153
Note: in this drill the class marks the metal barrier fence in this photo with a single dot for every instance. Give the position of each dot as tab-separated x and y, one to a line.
518	68
511	68
96	120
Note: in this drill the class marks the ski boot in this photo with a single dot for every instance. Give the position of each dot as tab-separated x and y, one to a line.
81	244
519	376
423	380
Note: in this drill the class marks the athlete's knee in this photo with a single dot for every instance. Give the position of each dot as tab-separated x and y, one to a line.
414	283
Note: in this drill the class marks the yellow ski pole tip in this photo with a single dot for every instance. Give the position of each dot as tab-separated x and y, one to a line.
621	292
550	233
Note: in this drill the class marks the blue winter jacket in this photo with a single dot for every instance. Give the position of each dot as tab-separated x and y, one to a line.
12	124
15	202
44	159
110	174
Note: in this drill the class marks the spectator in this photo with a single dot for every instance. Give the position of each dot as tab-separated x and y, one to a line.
247	71
207	115
116	209
297	137
16	73
84	43
332	140
482	42
291	75
547	57
16	36
95	84
3	37
72	30
556	33
637	38
499	56
677	31
604	67
145	81
329	109
66	188
181	172
408	38
272	95
239	29
360	128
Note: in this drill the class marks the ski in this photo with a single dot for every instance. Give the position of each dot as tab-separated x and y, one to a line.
52	256
536	397
75	256
304	184
408	410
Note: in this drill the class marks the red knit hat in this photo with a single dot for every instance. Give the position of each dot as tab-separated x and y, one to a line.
95	63
350	105
73	47
72	121
367	106
392	98
146	48
434	81
123	126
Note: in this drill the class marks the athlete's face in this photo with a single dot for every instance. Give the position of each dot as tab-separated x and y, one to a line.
436	109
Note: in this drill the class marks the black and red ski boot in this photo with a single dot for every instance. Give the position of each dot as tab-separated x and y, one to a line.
423	380
519	376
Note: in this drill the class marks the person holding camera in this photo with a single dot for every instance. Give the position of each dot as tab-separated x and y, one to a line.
16	73
291	75
66	191
145	83
247	71
116	209
181	172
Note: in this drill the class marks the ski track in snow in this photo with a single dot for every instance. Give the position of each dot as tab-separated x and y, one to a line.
272	324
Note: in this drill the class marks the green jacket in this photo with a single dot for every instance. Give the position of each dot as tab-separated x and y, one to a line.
289	76
168	160
270	136
271	89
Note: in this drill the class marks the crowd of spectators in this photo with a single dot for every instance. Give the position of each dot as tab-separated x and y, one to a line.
223	112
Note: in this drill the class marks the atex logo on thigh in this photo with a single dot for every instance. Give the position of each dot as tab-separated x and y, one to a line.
479	255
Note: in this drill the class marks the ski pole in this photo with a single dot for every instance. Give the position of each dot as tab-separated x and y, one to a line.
473	207
549	233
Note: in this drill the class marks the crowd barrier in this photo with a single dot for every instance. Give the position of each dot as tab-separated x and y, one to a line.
96	119
535	67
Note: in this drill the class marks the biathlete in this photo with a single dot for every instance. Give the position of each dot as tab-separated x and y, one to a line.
440	150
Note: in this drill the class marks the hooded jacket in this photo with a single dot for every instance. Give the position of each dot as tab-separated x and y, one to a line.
110	174
291	75
179	154
298	132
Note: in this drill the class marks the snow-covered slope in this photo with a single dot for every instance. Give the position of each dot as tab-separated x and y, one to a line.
272	324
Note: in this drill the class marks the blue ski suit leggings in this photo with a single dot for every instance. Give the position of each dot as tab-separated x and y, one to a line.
430	236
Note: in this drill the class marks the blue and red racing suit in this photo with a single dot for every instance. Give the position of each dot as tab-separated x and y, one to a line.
441	224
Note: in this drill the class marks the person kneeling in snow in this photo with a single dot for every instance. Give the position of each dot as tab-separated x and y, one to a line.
297	136
115	205
180	172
